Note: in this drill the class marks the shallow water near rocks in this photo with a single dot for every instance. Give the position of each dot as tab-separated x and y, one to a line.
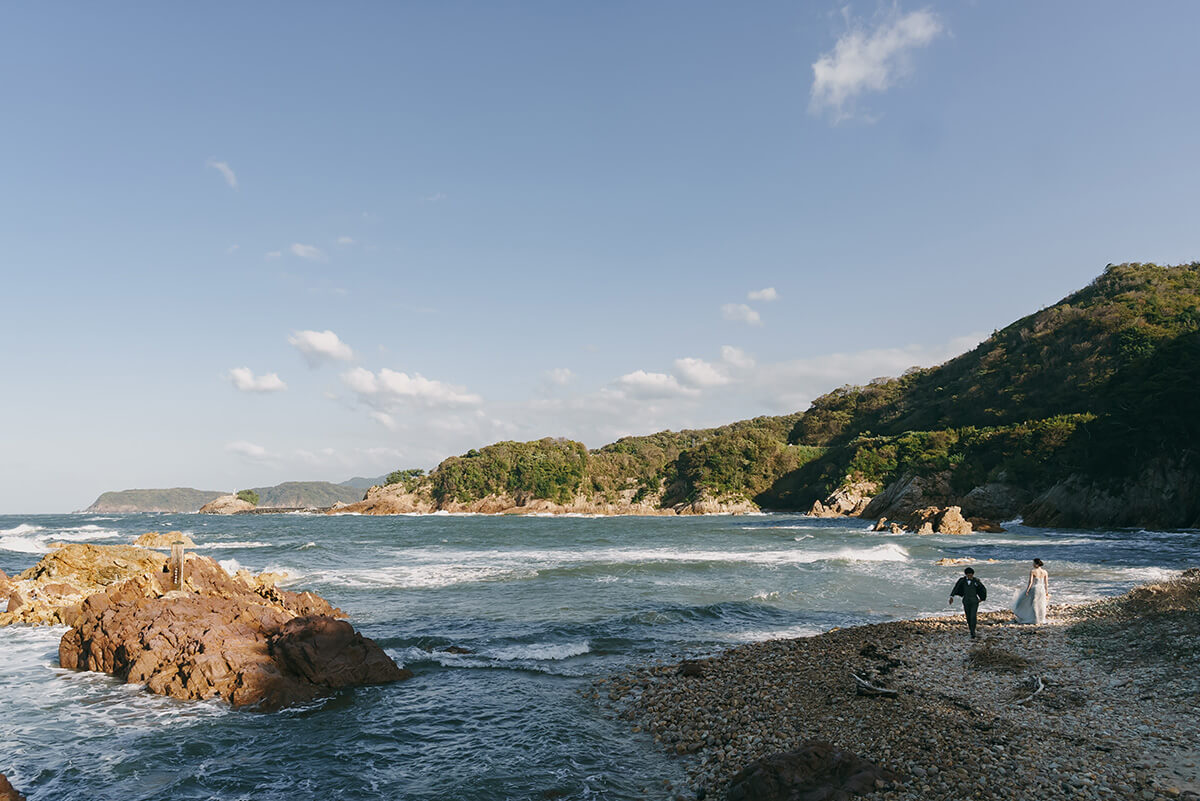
545	606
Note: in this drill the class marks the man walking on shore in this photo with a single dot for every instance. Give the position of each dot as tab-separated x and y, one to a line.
972	591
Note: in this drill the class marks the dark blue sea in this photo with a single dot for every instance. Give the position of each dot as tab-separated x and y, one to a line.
545	605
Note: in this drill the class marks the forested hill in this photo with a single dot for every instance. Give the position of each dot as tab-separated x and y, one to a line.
1086	412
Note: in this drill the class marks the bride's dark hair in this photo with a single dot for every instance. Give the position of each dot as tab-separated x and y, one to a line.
1037	562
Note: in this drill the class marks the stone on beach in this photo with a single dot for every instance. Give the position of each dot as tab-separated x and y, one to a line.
816	771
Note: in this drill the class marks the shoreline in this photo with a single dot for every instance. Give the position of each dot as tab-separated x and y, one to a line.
1118	709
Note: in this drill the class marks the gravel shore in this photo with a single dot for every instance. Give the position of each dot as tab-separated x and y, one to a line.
1117	715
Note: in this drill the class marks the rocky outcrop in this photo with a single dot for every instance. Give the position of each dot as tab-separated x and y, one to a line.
930	520
816	771
390	499
902	498
1166	494
7	791
219	636
153	539
227	505
50	592
848	501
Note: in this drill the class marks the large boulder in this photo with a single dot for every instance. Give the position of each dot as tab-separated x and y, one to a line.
816	771
995	500
153	539
220	638
939	520
227	505
51	592
7	792
848	501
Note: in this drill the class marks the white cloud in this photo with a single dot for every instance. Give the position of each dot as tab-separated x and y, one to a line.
869	60
345	240
390	387
229	251
741	313
560	376
736	357
225	170
309	252
318	347
245	380
436	197
699	373
248	450
273	255
767	295
642	385
385	420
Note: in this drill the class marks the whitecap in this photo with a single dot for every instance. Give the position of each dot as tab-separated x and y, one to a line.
212	546
23	545
540	651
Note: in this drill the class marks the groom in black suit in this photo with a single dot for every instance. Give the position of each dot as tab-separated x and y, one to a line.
972	591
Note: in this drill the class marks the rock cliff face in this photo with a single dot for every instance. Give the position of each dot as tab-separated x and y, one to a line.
7	792
394	499
1165	495
227	505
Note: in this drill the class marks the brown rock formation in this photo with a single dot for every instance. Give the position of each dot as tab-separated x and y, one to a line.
902	498
816	771
153	539
939	520
848	501
7	792
51	591
227	505
246	642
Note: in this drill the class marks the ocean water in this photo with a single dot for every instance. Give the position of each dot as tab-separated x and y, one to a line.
544	604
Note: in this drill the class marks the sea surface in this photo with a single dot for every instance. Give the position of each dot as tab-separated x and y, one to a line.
545	605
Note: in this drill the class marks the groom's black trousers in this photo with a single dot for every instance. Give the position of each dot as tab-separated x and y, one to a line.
970	609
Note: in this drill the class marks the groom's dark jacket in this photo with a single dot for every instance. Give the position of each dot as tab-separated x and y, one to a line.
971	590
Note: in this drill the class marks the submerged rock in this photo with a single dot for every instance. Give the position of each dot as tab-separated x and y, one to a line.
816	771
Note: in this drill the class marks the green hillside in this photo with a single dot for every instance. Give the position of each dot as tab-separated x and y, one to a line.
306	494
177	499
1098	391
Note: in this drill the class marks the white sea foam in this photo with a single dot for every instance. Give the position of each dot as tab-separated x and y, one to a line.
539	651
18	544
217	546
24	528
230	566
306	546
419	576
757	635
27	538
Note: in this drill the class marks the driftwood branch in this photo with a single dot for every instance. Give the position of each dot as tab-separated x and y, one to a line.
864	687
1041	685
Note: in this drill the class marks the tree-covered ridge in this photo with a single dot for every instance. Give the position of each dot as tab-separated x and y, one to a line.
1096	386
1059	360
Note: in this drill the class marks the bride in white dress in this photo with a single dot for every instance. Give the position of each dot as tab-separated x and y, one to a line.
1029	604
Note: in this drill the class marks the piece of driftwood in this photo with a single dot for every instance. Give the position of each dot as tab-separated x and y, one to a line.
1041	685
864	687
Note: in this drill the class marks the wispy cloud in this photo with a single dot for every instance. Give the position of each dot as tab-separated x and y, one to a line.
384	419
319	347
345	240
309	252
560	376
741	313
390	387
225	170
243	378
766	295
869	60
436	197
272	255
248	450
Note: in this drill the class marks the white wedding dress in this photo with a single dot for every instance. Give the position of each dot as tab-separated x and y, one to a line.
1029	604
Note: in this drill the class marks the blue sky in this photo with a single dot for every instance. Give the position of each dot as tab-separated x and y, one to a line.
305	241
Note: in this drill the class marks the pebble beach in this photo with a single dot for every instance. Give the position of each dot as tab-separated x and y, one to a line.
1101	702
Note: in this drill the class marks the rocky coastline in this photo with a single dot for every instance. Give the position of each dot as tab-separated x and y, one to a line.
1099	703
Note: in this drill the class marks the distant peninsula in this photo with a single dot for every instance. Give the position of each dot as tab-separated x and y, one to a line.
288	495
